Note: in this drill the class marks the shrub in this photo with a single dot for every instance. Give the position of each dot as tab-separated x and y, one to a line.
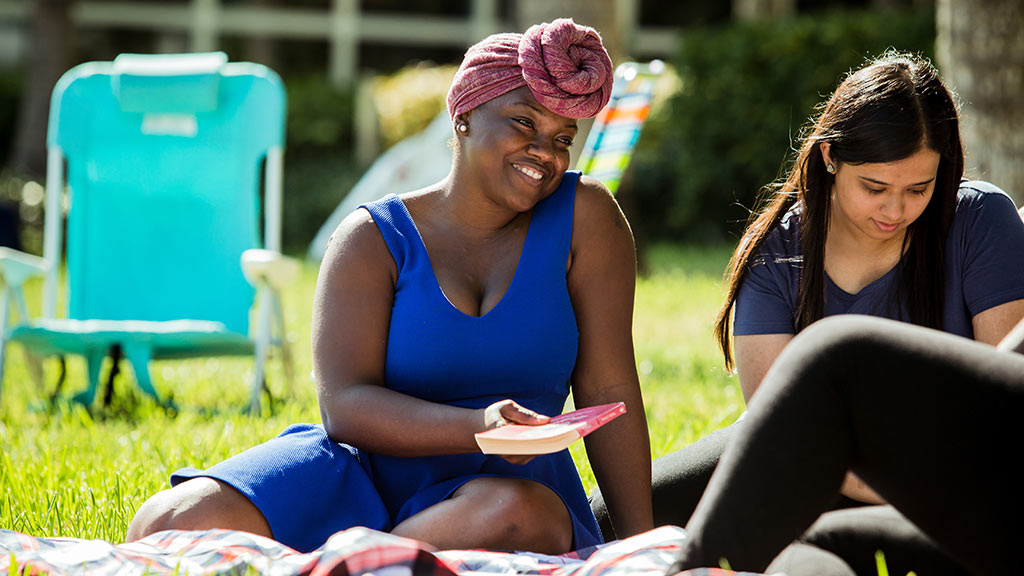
321	165
319	116
409	99
746	90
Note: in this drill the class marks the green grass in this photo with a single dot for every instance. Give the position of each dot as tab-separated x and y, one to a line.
66	472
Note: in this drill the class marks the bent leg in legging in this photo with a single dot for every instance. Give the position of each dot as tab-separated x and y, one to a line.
923	417
678	481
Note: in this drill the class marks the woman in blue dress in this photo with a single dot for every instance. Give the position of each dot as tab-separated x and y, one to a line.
473	303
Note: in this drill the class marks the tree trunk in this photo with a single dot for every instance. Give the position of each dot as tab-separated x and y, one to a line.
980	49
47	58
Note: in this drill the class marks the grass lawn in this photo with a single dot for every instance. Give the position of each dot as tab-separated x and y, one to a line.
66	472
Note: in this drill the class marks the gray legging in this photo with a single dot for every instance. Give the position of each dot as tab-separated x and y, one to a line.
929	420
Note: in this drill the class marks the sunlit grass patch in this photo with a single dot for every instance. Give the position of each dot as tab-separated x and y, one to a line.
66	471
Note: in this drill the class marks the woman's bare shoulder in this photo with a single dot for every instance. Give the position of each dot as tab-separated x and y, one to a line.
590	189
357	242
596	208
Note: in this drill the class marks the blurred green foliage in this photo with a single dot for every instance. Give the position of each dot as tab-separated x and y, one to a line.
409	99
319	115
746	89
320	166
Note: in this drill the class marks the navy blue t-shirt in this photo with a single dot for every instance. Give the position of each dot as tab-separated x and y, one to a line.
984	268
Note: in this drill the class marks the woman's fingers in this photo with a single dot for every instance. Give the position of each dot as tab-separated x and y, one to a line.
509	412
514	413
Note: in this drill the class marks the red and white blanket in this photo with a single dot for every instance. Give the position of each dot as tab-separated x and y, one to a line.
351	552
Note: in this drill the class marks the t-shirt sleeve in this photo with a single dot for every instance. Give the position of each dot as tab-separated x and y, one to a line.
993	246
764	304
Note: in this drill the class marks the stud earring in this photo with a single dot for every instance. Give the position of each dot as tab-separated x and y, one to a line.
830	169
462	128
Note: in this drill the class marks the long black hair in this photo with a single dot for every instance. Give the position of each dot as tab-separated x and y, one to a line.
891	108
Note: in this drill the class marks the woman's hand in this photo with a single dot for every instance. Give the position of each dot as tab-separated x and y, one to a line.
509	412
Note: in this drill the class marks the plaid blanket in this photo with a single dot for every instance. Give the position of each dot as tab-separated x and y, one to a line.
352	552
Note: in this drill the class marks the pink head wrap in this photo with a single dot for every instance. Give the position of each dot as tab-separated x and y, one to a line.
564	64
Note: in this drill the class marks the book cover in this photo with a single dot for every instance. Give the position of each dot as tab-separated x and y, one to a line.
557	434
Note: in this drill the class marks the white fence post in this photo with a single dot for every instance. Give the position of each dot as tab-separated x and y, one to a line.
205	25
483	20
344	41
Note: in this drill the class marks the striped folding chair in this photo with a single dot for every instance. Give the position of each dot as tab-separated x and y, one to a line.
610	143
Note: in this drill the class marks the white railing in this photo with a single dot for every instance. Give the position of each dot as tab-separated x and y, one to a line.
343	25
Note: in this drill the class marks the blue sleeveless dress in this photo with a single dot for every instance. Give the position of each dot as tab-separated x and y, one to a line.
525	348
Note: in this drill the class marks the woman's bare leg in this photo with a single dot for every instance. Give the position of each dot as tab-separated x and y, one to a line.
495	513
198	504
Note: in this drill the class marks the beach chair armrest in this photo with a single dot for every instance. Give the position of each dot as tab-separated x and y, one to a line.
16	267
266	267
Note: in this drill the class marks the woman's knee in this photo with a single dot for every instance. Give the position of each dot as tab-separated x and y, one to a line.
197	504
841	337
837	348
525	514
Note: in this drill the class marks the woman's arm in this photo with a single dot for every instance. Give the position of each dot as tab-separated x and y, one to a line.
993	325
754	355
991	262
351	319
1014	341
602	283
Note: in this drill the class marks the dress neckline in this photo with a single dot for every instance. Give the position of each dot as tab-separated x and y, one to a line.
437	283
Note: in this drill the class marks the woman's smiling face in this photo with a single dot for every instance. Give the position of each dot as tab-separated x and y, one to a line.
519	148
878	201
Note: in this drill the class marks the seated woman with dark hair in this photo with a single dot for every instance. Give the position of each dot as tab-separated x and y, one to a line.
873	218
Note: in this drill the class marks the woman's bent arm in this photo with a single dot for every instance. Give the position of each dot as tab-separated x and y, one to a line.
992	325
351	319
755	354
602	283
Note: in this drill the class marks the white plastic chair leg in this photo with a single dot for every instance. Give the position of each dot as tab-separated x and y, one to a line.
286	349
262	348
4	318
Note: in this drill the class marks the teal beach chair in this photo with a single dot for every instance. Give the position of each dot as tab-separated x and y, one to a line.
166	253
611	140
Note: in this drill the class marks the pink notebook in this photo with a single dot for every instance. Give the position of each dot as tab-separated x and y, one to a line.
557	434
